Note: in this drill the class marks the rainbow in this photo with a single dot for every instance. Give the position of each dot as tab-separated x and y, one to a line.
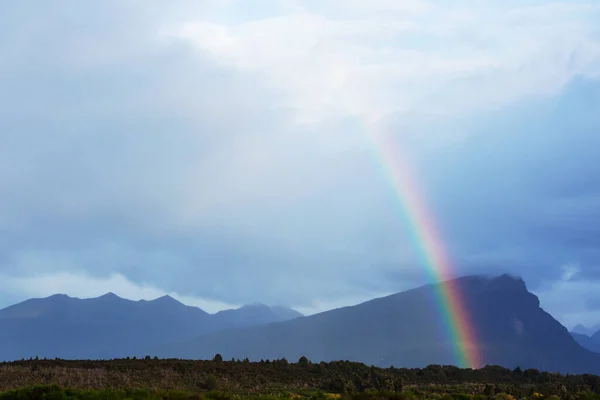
460	330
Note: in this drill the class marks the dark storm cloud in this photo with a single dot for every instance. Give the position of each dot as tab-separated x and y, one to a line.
520	193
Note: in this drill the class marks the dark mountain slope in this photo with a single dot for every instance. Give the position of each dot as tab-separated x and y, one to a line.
405	330
109	326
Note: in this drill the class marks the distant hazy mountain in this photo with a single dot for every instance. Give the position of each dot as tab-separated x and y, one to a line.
584	330
404	330
110	327
253	314
589	342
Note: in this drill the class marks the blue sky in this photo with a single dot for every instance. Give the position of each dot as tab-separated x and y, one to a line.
218	152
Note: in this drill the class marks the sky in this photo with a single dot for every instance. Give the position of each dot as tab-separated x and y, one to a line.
222	151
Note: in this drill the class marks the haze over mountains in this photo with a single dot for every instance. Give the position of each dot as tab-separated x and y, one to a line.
403	330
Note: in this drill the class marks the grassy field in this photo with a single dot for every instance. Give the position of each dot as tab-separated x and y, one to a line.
278	379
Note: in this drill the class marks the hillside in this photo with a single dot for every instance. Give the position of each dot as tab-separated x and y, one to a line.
404	330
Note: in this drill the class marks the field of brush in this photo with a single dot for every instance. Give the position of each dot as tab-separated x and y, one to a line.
146	379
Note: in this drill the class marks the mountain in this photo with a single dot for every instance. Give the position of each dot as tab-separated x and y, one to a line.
254	314
112	327
584	330
583	340
404	330
591	343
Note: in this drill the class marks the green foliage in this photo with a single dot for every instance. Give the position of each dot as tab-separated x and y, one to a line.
303	361
154	379
210	383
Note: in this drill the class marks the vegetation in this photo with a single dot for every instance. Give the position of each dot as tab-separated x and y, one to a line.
151	378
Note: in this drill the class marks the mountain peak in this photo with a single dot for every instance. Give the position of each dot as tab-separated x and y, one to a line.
512	283
581	329
166	299
503	278
58	296
513	279
504	282
110	296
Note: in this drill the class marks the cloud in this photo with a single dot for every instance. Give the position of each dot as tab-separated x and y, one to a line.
572	300
569	272
219	151
390	58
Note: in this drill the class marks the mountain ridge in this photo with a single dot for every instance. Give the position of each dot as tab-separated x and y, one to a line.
161	299
404	330
108	326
